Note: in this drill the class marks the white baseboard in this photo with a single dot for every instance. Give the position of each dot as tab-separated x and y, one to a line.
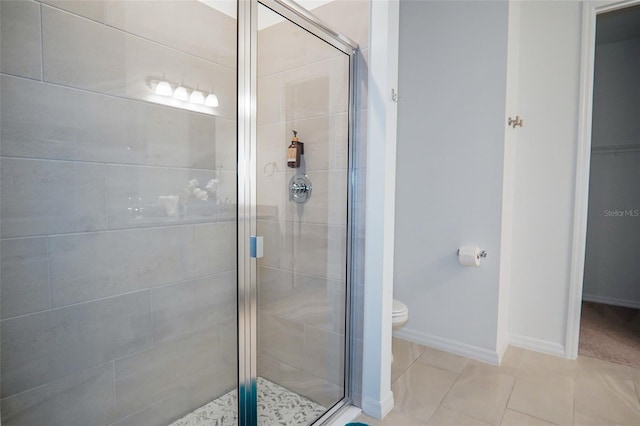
470	351
502	350
537	345
378	409
348	416
611	301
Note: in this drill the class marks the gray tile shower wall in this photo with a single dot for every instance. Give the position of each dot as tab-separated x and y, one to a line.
20	35
112	309
86	54
25	276
82	398
45	121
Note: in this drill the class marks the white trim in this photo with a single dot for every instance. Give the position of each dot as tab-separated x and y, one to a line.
502	348
611	301
377	399
378	409
583	158
537	345
452	346
349	415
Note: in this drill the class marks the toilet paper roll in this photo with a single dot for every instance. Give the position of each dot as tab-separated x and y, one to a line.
469	256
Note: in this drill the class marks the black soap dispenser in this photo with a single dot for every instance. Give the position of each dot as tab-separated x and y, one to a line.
295	150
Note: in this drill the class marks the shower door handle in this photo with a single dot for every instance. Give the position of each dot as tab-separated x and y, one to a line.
257	246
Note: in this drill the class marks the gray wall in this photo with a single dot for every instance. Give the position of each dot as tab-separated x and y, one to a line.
452	84
108	317
612	271
463	110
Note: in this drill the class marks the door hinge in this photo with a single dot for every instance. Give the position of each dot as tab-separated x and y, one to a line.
515	122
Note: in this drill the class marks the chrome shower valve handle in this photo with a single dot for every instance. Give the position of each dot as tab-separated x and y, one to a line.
300	188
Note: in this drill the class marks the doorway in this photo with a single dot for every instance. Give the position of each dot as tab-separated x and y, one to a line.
610	319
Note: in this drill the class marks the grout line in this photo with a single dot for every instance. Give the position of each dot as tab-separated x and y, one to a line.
115	388
295	222
58	379
308	64
41	44
336	281
153	226
152	319
107	216
573	403
306	117
165	285
56	308
506	406
413	362
119	97
48	250
119	419
137	36
136	165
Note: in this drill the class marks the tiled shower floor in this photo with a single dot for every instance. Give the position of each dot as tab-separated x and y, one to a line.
276	406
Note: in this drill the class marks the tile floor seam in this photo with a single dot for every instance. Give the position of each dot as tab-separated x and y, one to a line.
515	378
445	395
420	419
441	399
546	370
574	401
635	386
408	367
547	420
440	404
504	410
532	416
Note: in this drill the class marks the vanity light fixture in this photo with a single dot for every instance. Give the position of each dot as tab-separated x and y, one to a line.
196	97
181	94
211	101
163	89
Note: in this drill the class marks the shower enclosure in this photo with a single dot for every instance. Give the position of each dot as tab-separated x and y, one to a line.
161	262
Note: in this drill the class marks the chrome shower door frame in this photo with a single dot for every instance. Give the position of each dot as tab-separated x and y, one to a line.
247	194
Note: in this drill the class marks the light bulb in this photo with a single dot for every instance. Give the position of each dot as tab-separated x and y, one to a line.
181	94
163	89
196	97
212	100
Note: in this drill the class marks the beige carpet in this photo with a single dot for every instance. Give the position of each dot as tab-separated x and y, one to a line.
610	333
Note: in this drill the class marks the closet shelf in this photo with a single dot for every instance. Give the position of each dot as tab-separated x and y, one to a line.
615	149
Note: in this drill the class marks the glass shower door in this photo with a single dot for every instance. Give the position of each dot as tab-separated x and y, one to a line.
301	211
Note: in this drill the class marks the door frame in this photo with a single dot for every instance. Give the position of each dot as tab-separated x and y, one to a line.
247	194
590	11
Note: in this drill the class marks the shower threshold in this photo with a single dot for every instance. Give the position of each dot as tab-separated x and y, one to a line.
276	406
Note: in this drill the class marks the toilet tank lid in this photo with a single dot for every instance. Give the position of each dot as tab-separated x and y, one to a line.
399	307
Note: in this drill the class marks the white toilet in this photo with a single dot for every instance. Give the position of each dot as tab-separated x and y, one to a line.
399	316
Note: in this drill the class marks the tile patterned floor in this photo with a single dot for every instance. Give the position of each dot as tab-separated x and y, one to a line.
433	388
276	406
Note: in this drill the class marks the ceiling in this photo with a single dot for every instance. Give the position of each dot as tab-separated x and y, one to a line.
229	7
619	25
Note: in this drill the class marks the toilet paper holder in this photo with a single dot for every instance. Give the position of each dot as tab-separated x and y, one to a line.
483	253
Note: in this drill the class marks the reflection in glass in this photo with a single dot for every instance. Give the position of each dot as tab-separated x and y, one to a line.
303	86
